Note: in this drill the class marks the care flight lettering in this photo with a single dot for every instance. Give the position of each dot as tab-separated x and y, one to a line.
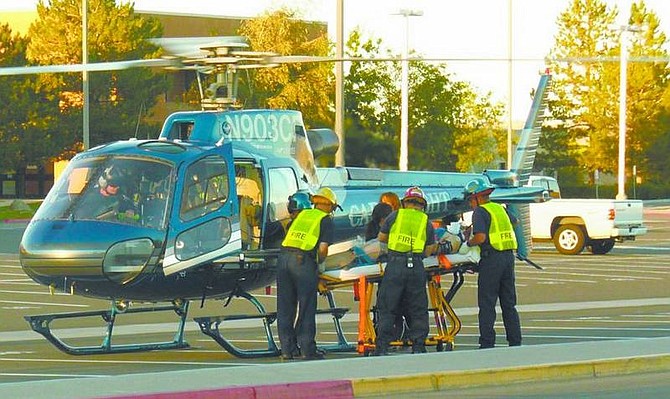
361	214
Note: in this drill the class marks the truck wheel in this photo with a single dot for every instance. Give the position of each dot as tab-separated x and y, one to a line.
601	247
569	239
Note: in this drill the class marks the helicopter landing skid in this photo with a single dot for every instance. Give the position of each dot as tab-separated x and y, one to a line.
209	325
41	324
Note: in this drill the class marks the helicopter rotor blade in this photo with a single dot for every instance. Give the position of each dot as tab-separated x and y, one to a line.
92	67
198	47
611	59
296	59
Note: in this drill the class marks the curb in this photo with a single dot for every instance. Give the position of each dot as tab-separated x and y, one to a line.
487	377
306	390
427	382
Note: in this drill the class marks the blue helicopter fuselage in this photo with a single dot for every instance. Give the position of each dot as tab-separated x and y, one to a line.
200	212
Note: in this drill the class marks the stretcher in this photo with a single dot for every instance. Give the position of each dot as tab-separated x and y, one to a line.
363	272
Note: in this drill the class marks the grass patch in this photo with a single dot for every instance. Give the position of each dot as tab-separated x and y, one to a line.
6	212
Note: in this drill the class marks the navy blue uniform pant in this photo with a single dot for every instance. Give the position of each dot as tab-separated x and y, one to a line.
297	279
496	281
403	289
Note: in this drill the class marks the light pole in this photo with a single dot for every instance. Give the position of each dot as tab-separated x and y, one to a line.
509	84
623	69
404	90
339	83
84	74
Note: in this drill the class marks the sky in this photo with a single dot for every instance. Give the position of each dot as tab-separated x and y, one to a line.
450	29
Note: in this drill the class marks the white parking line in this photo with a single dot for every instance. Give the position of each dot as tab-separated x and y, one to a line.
555	280
45	304
53	375
601	320
609	328
89	361
35	293
607	276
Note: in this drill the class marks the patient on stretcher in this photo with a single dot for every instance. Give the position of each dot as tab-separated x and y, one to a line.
357	258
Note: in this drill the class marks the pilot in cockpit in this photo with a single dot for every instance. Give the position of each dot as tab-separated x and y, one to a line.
113	184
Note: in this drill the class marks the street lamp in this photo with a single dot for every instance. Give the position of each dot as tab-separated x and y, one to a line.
84	74
404	90
623	69
339	83
509	83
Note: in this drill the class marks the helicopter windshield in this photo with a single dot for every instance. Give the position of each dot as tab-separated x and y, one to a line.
128	190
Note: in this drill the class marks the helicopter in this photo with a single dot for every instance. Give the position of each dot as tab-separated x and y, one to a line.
196	213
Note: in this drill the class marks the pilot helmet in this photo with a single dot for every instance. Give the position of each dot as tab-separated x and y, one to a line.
299	201
415	195
109	182
477	186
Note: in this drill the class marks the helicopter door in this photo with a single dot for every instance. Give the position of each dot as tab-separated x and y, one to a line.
250	190
205	213
281	182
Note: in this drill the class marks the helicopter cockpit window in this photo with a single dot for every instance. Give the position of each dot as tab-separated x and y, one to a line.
124	190
205	188
181	130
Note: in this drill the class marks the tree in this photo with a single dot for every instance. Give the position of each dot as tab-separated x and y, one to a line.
371	104
12	53
307	87
585	101
659	148
115	33
588	89
648	92
28	133
451	127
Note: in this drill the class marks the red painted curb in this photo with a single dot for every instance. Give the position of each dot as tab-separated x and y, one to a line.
301	390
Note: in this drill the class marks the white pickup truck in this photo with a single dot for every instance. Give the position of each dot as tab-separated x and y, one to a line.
573	224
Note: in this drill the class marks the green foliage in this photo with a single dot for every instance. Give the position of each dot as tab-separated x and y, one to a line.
588	89
648	92
115	33
659	148
304	86
6	212
556	151
371	106
12	53
29	131
450	126
586	99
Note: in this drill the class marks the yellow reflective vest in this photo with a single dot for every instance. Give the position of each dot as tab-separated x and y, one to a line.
501	232
304	230
408	232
